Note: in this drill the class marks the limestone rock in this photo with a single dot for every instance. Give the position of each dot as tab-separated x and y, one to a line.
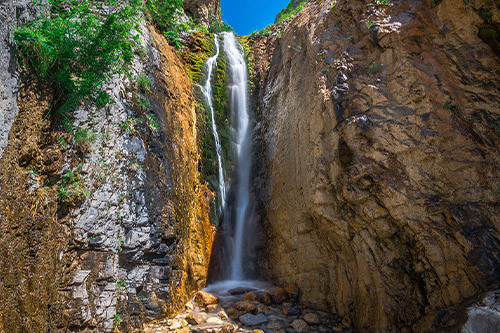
194	318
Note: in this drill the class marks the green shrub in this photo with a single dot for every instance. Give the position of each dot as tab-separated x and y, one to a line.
290	11
72	189
165	15
76	48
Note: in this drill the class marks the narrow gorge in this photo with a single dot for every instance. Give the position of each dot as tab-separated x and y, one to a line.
336	171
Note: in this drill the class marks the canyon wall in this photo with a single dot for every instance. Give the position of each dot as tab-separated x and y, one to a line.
106	226
377	153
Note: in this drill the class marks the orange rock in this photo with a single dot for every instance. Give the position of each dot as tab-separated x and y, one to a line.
266	299
251	296
202	298
279	296
232	313
311	318
292	290
246	307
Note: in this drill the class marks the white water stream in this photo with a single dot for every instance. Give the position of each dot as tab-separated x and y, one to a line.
239	105
207	93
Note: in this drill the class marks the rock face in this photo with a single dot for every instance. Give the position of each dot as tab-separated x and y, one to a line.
202	9
11	13
137	243
377	154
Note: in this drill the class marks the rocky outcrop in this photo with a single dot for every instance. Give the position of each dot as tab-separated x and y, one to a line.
133	241
11	13
377	153
203	9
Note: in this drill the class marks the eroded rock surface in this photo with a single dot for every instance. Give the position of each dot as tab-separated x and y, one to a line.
377	160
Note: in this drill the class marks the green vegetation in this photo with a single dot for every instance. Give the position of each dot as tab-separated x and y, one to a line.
165	15
381	2
290	11
83	138
218	25
77	48
71	188
198	49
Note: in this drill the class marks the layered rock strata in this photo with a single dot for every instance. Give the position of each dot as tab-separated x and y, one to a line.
377	153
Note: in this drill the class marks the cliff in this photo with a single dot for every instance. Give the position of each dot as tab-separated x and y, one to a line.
103	217
376	161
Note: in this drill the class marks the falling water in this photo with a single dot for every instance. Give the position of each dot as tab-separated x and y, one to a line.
239	106
207	92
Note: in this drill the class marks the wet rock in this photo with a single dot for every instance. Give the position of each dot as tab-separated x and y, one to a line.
289	309
279	296
263	308
311	318
252	320
266	299
300	326
202	298
245	307
232	313
251	296
274	325
257	331
292	290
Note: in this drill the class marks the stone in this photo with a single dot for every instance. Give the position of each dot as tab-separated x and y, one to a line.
214	320
194	318
245	307
232	313
266	299
311	318
212	308
251	296
252	320
202	298
292	290
300	326
189	305
228	328
263	308
279	296
223	315
289	309
257	331
274	325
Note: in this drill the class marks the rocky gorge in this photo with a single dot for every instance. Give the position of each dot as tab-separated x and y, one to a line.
374	184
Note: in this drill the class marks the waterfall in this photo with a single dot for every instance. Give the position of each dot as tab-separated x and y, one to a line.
207	93
239	105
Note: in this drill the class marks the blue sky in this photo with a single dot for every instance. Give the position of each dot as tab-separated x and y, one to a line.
247	16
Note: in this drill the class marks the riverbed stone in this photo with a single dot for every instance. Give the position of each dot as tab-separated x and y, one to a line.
300	325
311	318
202	298
252	320
246	307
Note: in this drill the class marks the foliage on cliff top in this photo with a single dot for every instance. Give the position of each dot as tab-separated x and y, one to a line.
290	10
78	45
165	15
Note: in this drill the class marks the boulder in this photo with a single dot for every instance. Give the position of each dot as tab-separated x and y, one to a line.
194	318
279	296
232	313
202	298
251	296
246	307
